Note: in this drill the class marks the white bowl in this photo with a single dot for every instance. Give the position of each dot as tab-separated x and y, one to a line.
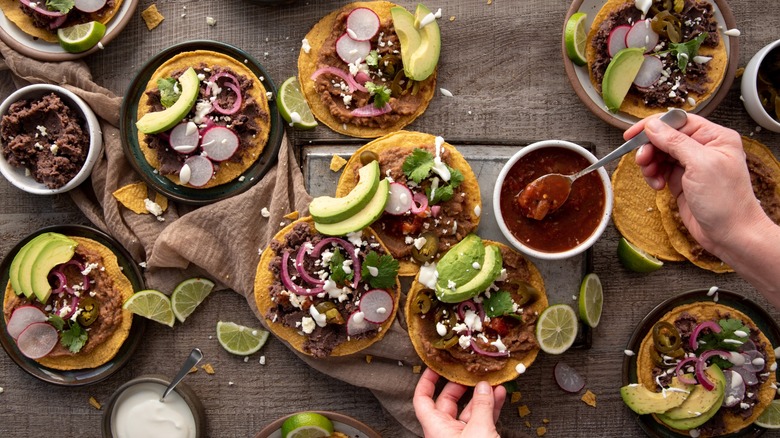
750	89
585	244
16	175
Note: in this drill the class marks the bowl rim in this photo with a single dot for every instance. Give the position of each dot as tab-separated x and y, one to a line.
749	89
16	176
585	244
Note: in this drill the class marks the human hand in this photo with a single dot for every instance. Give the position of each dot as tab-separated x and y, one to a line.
440	418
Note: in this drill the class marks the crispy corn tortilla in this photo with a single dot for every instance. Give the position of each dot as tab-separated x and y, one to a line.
264	278
228	170
421	327
633	103
711	311
635	213
320	35
13	11
111	345
411	140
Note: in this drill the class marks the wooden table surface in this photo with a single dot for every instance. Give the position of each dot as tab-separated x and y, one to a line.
502	63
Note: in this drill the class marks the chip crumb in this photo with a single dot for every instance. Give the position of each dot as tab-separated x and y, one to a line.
152	17
589	398
541	430
515	397
523	410
292	216
336	163
452	18
528	424
490	2
546	420
208	369
369	358
192	370
95	404
739	72
416	369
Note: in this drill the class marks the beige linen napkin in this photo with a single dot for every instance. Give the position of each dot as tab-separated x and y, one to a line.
230	234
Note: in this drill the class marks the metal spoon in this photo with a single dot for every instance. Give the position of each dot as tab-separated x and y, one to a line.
195	356
548	192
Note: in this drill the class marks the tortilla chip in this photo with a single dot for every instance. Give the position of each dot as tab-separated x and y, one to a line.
229	169
635	213
291	216
523	411
208	369
633	103
420	328
711	311
336	163
264	278
318	37
152	17
410	140
132	196
13	12
589	398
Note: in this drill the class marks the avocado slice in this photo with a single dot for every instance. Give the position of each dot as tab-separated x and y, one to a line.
423	60
365	217
619	76
408	35
161	121
700	406
329	210
644	401
56	251
457	264
489	270
20	271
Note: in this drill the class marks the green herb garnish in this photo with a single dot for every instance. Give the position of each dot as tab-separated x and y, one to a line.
57	322
386	266
74	337
419	165
380	92
687	50
337	272
63	6
500	303
373	58
169	91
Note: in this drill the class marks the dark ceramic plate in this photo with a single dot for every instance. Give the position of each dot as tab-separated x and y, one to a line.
190	195
763	320
341	423
85	376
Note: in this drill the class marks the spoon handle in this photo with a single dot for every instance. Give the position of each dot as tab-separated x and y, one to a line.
676	118
195	356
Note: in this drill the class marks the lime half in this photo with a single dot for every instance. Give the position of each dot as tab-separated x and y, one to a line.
293	106
575	38
239	339
188	295
591	300
151	304
556	328
770	418
81	37
307	425
635	258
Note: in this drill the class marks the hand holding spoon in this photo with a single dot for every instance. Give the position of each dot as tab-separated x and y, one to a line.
547	193
195	356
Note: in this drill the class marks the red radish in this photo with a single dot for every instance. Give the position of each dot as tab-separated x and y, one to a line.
362	24
567	378
351	51
735	389
201	170
749	377
219	143
22	318
400	200
650	72
37	340
42	10
435	210
754	361
362	77
377	305
642	35
89	6
371	111
357	324
184	137
617	39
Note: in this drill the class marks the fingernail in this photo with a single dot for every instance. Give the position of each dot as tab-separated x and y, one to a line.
482	388
654	124
639	151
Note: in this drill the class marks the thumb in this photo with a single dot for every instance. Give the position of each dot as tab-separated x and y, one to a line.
675	143
481	409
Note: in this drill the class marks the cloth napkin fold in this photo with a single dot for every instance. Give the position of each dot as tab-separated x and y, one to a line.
230	234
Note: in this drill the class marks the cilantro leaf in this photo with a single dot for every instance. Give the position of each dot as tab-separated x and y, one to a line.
373	58
63	6
169	91
74	338
57	322
727	339
687	50
380	92
441	194
387	268
418	165
498	304
456	178
337	269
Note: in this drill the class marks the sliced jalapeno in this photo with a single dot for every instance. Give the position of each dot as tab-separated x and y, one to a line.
429	249
90	310
666	338
443	344
422	303
368	156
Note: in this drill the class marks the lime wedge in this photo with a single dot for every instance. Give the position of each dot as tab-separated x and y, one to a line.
239	339
151	304
770	418
293	106
575	38
188	295
635	258
591	300
307	425
81	37
556	328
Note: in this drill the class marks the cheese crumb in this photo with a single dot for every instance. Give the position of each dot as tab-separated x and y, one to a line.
262	360
211	21
265	213
305	46
445	92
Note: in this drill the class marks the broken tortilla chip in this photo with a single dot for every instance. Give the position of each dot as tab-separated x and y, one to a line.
589	398
133	197
152	17
336	163
292	216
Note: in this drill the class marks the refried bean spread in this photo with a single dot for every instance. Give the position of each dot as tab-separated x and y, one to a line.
47	138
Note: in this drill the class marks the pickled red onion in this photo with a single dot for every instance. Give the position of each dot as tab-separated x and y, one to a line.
353	85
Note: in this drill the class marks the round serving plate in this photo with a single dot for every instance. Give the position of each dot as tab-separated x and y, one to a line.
341	423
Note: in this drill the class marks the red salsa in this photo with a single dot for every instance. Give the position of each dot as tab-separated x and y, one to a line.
569	225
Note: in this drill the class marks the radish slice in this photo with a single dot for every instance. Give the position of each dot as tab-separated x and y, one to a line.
748	345
649	72
219	143
43	11
420	203
362	24
642	35
435	210
89	6
22	318
377	305
617	39
567	378
371	111
754	361
749	377
201	170
184	137
357	324
352	51
400	200
37	340
735	389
